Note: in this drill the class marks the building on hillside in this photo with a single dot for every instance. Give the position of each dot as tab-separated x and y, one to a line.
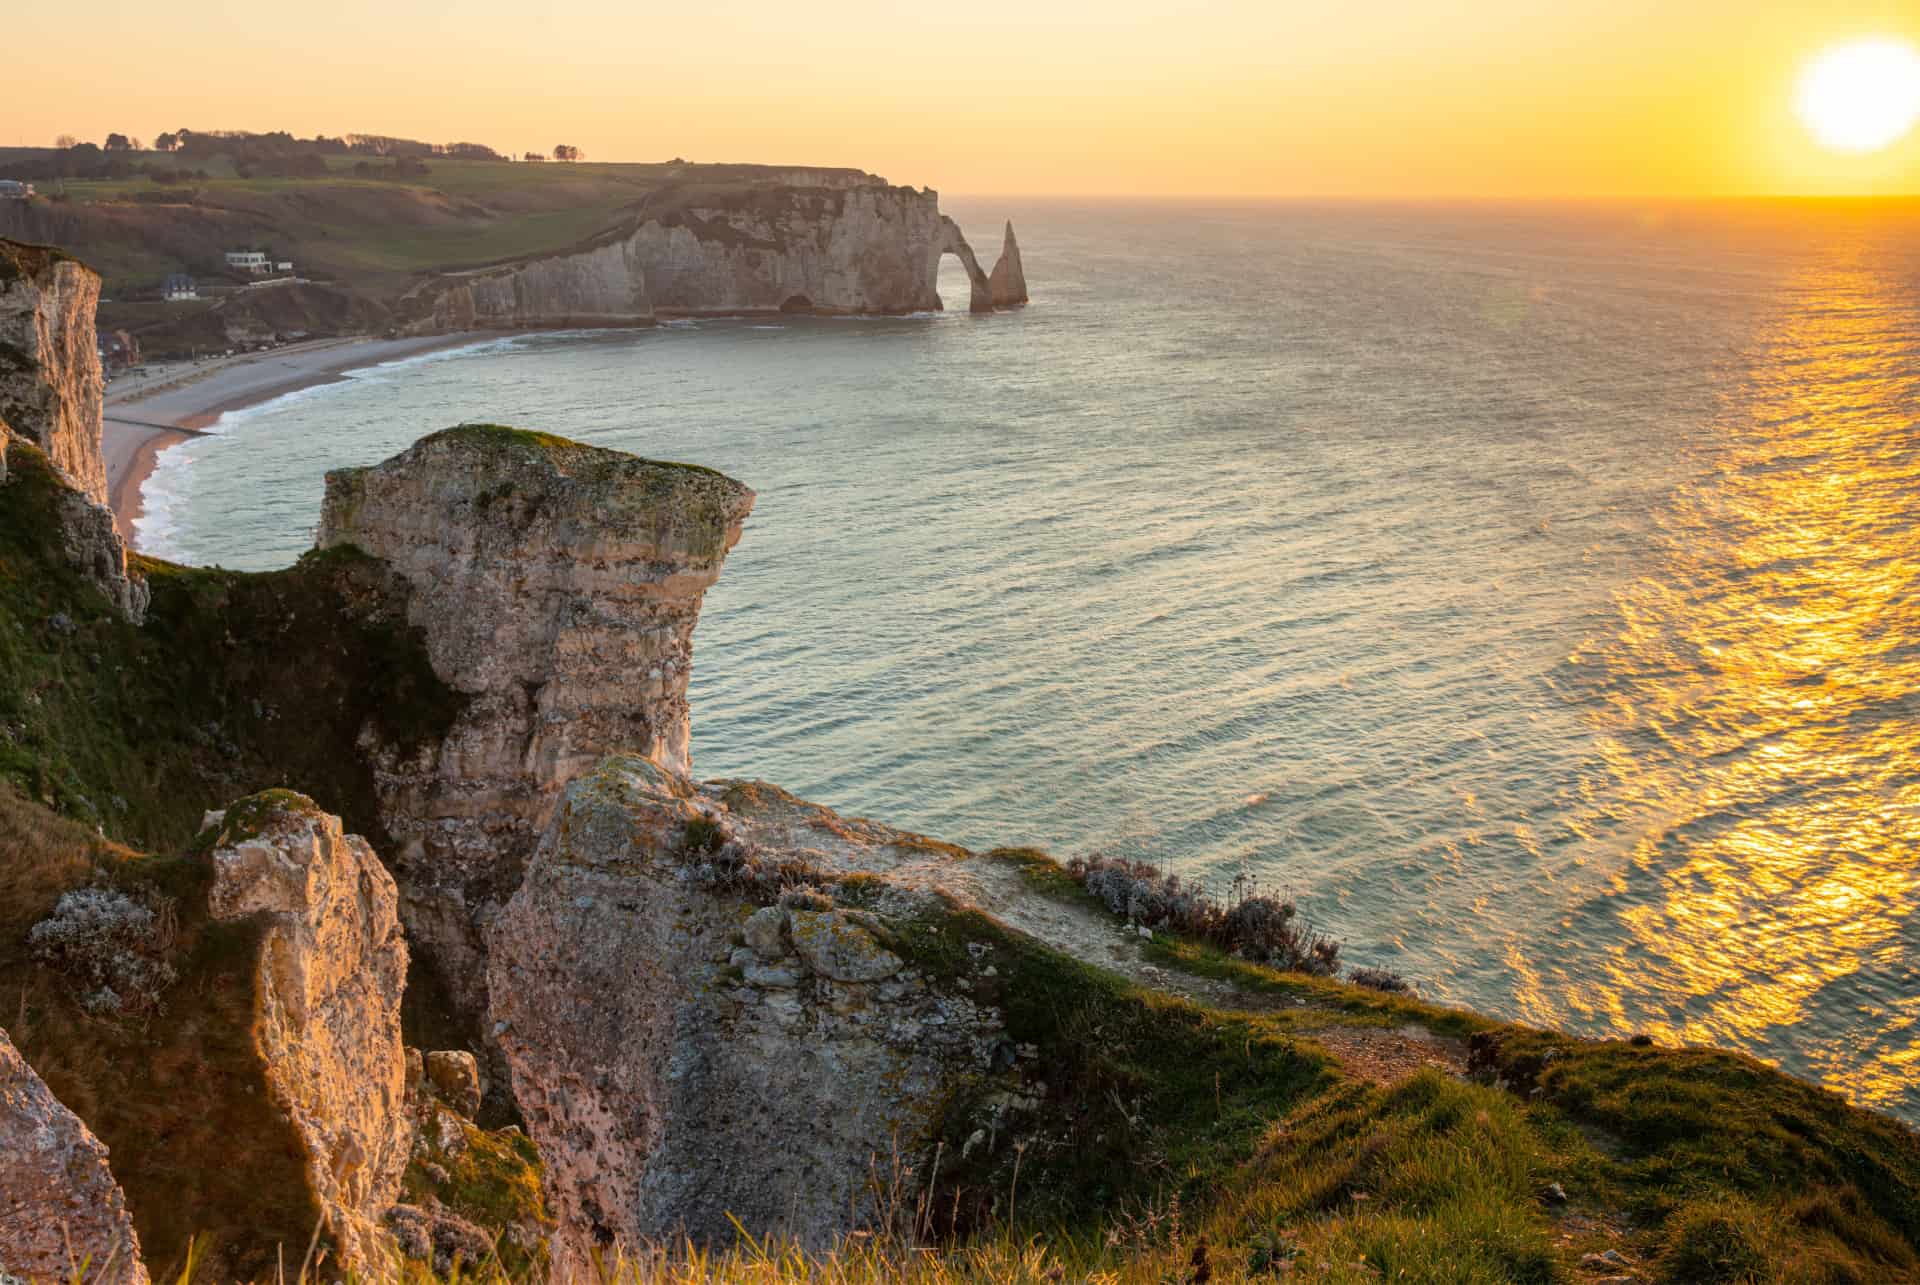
285	265
118	349
248	261
179	288
15	190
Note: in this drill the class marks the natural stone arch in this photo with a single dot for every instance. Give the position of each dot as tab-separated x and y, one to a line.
952	242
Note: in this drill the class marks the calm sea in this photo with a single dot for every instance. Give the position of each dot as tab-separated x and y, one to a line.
1534	592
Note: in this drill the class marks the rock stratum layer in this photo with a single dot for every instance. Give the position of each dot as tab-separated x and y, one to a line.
688	1049
332	966
855	245
60	1209
50	395
556	585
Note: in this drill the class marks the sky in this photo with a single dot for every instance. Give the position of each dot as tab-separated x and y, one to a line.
1336	98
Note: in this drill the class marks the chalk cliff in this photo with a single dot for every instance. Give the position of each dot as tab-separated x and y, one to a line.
50	383
1008	281
327	987
602	285
50	396
838	246
556	585
59	1204
690	1045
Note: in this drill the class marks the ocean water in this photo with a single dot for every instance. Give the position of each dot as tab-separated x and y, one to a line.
1533	592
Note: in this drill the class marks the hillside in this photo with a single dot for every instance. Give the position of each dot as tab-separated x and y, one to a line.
362	238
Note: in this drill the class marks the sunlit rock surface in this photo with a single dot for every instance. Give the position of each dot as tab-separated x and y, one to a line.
331	970
557	586
59	1204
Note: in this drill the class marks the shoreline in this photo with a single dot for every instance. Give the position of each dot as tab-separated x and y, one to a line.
173	404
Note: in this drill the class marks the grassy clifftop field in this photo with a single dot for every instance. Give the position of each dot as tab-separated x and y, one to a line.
362	229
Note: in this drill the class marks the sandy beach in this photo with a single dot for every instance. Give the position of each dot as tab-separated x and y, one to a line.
146	413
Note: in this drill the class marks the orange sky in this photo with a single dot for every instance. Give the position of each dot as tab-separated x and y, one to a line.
1173	97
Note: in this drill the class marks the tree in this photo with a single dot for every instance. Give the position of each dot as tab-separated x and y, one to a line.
64	141
534	156
166	142
119	143
567	152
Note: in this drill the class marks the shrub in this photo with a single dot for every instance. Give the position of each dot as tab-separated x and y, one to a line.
112	945
1716	1242
1379	979
1252	925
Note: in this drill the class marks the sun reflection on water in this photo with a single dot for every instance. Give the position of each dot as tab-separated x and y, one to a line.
1756	706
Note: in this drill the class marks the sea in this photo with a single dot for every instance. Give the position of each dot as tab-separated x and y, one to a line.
1530	592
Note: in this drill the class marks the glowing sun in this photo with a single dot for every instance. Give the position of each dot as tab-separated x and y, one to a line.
1862	95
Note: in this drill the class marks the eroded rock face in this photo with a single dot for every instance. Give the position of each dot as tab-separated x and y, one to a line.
952	242
1008	282
599	286
50	397
558	586
50	384
842	243
332	967
682	1051
59	1204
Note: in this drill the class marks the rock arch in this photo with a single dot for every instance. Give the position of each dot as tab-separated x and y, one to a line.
952	242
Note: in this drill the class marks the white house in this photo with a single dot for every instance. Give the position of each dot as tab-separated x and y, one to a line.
14	190
248	261
179	288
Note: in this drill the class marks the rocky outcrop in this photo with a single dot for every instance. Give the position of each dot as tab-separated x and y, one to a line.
60	1209
93	546
50	397
332	966
602	285
831	245
50	383
1008	282
952	242
558	586
688	1047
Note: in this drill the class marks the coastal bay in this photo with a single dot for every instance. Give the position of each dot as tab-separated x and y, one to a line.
166	404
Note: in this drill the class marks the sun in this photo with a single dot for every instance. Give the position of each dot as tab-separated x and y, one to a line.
1861	96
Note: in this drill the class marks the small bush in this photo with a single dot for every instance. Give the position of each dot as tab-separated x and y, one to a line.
1380	979
1252	925
1716	1242
112	945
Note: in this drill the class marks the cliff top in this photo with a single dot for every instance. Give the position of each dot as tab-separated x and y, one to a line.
24	259
512	480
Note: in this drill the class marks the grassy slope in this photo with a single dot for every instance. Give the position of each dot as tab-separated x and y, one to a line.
372	234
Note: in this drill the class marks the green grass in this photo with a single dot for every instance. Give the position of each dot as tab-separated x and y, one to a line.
237	683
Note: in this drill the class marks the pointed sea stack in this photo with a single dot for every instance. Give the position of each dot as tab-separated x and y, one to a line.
1008	283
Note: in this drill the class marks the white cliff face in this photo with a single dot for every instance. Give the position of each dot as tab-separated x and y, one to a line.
50	393
600	286
557	586
332	967
59	1204
827	246
50	383
686	1050
1008	283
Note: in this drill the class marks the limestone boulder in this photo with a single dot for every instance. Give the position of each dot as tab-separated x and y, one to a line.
60	1208
331	969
